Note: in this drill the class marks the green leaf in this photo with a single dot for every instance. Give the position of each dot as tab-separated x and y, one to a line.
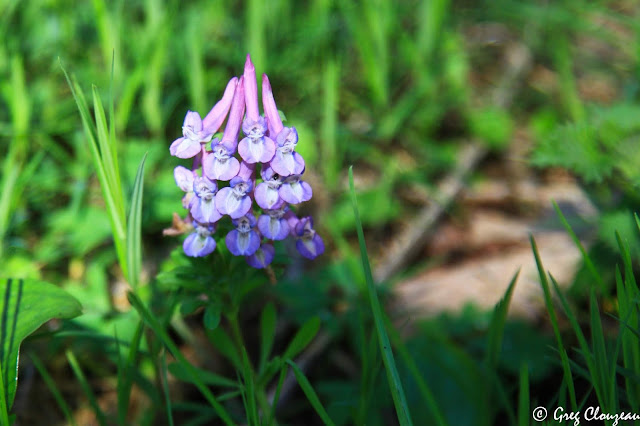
267	333
397	392
191	371
212	316
310	393
207	377
493	125
134	226
86	388
26	305
303	337
496	329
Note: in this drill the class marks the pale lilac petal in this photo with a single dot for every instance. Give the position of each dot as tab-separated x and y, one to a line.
228	203
187	199
193	121
295	192
293	221
262	257
266	196
204	211
198	246
218	113
288	136
232	129
273	228
287	163
257	151
250	90
246	171
310	248
242	243
184	148
220	169
184	178
270	108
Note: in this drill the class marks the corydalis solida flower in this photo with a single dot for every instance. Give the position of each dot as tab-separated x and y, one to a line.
254	181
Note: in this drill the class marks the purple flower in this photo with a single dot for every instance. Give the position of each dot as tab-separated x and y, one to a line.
295	191
292	220
246	171
184	179
193	135
243	241
234	200
286	161
232	129
218	113
309	244
200	243
256	147
262	257
273	225
266	193
203	205
220	164
270	108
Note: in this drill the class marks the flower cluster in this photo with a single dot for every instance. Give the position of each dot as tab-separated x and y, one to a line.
267	150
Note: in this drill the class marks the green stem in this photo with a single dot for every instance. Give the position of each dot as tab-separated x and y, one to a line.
249	373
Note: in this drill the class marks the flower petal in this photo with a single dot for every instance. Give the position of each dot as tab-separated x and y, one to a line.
184	178
184	148
250	90
218	113
262	257
220	170
196	246
295	192
310	247
270	108
273	228
266	196
242	243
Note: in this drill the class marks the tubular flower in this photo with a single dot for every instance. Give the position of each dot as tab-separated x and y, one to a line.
263	166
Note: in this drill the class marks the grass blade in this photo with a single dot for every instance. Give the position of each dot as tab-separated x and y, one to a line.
267	333
310	393
397	392
134	228
154	324
568	378
86	388
302	338
524	408
496	328
125	376
585	257
165	387
51	384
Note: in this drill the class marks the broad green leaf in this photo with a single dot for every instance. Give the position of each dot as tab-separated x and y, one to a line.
26	305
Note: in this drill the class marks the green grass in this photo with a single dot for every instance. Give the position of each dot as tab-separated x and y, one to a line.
393	88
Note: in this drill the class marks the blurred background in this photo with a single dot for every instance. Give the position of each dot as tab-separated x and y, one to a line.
462	119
